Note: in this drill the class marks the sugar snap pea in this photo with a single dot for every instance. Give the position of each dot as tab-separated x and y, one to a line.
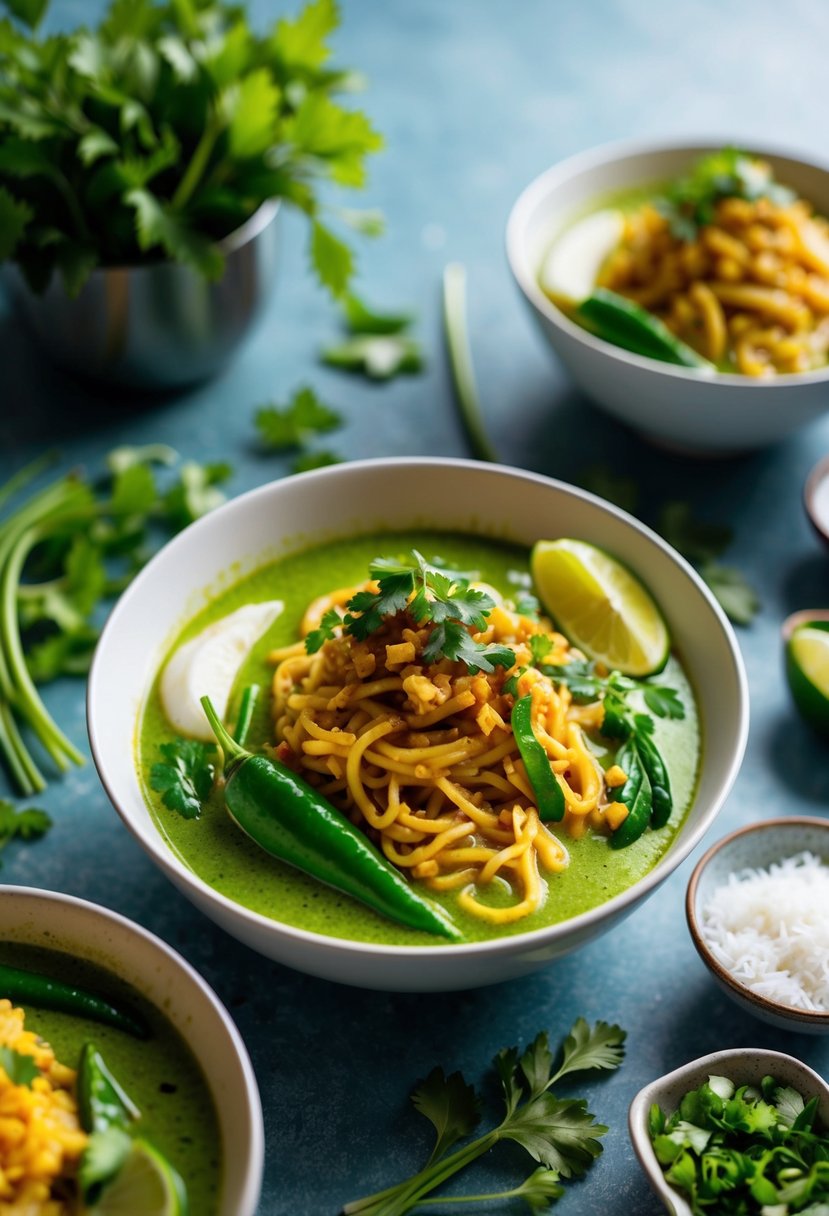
291	820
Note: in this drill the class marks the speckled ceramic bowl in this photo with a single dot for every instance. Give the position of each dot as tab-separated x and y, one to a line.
744	1066
753	847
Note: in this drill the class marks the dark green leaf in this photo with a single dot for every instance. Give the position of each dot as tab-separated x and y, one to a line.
28	824
329	622
315	460
451	1106
102	1159
30	12
361	319
185	776
537	1065
20	1069
15	216
196	493
378	357
601	1047
737	598
158	227
284	427
561	1135
664	702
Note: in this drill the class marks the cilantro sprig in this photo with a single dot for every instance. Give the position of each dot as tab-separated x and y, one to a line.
561	1135
164	128
690	202
65	551
430	594
184	776
744	1150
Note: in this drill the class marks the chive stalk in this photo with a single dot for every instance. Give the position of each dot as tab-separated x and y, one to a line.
460	362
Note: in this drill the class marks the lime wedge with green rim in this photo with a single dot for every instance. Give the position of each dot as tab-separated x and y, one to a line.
147	1185
600	606
807	669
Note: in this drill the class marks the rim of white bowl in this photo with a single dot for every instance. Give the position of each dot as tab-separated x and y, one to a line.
526	275
248	1199
181	875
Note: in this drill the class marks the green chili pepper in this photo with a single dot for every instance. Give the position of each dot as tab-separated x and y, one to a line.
623	323
101	1100
548	792
41	990
635	794
657	774
289	819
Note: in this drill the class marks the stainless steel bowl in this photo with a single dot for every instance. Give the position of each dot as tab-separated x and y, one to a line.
157	326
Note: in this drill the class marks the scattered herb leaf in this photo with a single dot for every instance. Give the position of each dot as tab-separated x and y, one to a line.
185	776
377	345
560	1134
284	427
689	203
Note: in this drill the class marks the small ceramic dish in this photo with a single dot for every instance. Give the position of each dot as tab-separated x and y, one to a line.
88	932
755	847
743	1066
704	414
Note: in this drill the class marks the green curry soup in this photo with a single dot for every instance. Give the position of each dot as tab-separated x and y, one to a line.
227	860
159	1073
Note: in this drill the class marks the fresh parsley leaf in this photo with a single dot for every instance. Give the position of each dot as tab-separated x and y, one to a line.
196	492
185	776
19	1068
361	319
561	1135
540	647
663	701
288	426
690	202
451	1106
453	641
329	622
28	824
601	1047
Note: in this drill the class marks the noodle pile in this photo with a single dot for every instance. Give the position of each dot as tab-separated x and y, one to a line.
423	756
750	292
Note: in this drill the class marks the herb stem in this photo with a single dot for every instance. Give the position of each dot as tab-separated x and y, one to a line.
460	361
198	161
398	1200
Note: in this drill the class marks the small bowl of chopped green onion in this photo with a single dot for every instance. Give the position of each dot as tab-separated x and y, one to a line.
758	911
740	1131
658	274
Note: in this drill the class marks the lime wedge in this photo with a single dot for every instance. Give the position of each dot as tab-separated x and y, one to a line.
147	1185
807	668
600	606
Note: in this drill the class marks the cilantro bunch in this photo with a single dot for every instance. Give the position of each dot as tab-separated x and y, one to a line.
163	129
67	550
743	1150
560	1134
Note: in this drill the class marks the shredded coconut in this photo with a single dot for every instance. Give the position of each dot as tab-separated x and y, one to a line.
770	930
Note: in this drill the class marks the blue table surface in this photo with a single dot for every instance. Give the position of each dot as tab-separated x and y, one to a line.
475	98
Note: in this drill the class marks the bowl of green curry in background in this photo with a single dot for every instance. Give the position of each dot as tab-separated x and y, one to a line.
185	1068
703	412
294	539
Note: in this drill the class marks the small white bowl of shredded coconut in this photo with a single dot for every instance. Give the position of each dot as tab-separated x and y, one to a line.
758	912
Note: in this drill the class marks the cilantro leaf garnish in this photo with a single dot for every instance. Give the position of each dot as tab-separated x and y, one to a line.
560	1134
330	620
20	1069
315	460
689	203
185	776
432	595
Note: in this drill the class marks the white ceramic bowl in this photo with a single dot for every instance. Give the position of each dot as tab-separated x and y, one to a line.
375	496
743	1066
755	847
716	413
88	931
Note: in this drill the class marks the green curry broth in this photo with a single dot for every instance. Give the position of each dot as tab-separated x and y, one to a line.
223	857
160	1073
